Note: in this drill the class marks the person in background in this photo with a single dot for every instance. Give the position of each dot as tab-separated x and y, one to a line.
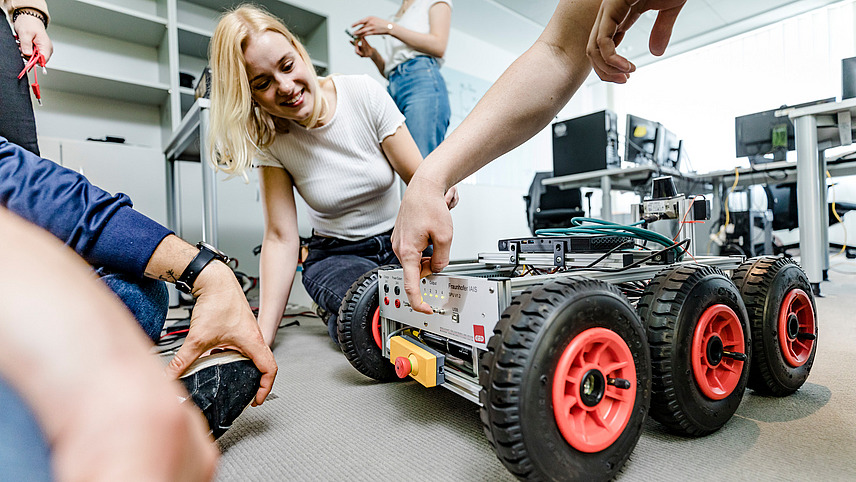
339	141
81	397
30	19
519	105
415	41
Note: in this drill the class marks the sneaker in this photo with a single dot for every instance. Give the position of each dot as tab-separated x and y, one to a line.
321	312
222	385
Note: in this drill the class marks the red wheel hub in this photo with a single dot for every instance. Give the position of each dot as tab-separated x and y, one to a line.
718	352
594	389
796	327
376	327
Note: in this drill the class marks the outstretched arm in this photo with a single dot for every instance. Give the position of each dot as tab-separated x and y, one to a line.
83	366
517	107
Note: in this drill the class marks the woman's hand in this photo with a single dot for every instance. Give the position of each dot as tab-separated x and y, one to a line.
373	26
362	47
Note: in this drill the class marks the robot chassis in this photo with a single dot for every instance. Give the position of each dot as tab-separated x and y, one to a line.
567	358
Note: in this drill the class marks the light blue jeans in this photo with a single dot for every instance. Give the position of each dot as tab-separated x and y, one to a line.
24	452
420	93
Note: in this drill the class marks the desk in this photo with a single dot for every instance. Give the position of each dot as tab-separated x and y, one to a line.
779	172
609	179
817	128
189	142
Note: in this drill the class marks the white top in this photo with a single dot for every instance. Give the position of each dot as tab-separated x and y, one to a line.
339	169
414	18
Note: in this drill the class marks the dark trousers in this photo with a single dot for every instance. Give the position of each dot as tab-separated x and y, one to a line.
17	123
333	265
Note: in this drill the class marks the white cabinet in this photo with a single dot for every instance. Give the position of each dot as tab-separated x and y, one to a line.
125	56
133	170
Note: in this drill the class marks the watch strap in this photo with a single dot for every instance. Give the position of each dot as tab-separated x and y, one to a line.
191	272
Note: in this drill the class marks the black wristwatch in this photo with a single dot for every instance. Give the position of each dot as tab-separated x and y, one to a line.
207	253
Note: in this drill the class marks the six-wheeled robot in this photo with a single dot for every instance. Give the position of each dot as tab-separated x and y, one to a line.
568	342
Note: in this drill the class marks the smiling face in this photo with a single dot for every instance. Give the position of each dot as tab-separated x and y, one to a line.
279	78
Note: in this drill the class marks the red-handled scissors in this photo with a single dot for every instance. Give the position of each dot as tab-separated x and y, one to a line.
36	59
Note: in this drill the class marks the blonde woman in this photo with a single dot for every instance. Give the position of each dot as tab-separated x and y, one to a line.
339	141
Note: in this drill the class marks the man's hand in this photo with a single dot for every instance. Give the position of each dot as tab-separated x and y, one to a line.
451	197
31	31
423	219
222	319
613	20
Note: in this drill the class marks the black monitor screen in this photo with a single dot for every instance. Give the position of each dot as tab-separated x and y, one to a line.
584	144
640	140
668	152
764	137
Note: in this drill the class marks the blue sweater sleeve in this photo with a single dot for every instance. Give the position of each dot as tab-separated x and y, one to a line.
102	228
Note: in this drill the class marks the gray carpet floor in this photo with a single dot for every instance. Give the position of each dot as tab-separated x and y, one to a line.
325	421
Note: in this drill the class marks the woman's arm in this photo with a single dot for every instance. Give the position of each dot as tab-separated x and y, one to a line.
364	49
432	43
402	153
404	156
279	248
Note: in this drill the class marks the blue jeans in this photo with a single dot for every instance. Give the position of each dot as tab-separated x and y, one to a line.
146	298
333	265
420	93
24	452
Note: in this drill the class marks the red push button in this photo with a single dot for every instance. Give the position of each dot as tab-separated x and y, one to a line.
398	303
386	300
402	367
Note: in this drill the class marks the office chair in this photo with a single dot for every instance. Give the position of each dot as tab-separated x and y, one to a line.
549	206
782	200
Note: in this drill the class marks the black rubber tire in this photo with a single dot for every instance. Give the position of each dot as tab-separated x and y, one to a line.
518	368
763	283
670	308
355	330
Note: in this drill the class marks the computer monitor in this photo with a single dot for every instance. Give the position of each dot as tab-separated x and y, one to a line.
587	143
668	150
763	137
640	140
848	78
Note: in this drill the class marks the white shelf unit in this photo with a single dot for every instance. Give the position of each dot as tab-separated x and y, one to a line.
134	51
196	20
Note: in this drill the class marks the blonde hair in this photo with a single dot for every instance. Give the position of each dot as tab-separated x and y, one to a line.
239	127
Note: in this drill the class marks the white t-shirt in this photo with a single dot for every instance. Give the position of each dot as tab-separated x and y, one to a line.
414	18
340	169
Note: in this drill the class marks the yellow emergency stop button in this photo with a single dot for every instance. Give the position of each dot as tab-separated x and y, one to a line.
412	357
